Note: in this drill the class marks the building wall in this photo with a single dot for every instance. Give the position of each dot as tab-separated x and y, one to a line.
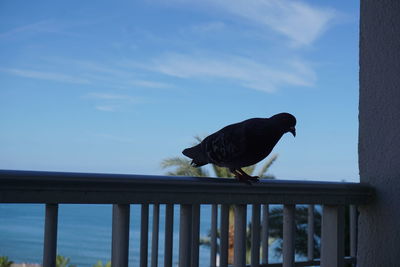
379	132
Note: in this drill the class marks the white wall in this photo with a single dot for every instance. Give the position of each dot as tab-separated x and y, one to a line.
379	132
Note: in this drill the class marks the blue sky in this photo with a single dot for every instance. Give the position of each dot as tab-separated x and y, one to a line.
118	86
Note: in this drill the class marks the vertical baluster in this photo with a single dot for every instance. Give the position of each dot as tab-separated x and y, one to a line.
255	236
154	236
332	240
310	233
353	231
120	235
185	228
288	235
50	235
264	234
169	223
213	239
195	235
144	235
223	256
239	248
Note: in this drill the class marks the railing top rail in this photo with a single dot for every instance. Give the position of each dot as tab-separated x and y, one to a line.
66	187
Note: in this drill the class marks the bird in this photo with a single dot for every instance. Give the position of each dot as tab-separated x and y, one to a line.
242	144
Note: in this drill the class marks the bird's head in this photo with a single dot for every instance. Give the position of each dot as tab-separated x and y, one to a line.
288	122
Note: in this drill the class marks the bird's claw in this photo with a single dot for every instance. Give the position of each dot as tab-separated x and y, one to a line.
245	178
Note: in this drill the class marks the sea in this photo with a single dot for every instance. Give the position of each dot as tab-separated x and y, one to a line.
84	233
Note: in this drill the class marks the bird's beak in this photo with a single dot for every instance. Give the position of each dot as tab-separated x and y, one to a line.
293	131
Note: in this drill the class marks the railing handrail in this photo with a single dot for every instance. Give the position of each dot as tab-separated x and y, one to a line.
94	188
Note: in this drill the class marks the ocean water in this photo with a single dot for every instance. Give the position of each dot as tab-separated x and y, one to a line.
84	233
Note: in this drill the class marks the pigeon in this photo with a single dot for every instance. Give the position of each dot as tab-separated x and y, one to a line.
242	144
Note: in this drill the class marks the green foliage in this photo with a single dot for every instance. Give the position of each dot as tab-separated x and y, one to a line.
222	172
183	167
4	262
301	216
62	261
263	172
100	264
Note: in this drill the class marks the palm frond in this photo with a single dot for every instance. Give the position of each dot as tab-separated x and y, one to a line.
265	167
222	172
175	161
249	169
182	167
198	139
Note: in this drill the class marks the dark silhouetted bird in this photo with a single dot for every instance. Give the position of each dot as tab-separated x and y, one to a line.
242	144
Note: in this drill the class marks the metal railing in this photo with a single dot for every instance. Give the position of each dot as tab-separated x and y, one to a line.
53	188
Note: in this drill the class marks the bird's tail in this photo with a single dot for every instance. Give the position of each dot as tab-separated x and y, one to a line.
196	154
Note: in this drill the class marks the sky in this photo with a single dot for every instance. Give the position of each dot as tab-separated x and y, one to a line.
118	86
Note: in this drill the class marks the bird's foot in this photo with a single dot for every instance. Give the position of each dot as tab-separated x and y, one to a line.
248	177
241	176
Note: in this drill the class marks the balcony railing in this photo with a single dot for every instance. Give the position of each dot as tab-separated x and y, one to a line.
54	188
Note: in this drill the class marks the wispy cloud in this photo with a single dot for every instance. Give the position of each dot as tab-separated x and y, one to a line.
112	102
45	75
149	84
111	75
116	73
302	23
244	71
296	23
209	27
108	96
32	28
68	27
106	108
94	67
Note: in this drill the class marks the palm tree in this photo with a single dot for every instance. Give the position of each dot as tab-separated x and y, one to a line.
275	223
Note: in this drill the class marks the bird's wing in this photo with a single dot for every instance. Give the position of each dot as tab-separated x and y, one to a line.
228	143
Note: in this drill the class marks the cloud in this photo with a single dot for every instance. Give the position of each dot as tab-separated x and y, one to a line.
44	75
149	84
112	102
33	28
209	27
244	71
108	96
116	74
60	26
97	68
110	75
300	22
106	108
